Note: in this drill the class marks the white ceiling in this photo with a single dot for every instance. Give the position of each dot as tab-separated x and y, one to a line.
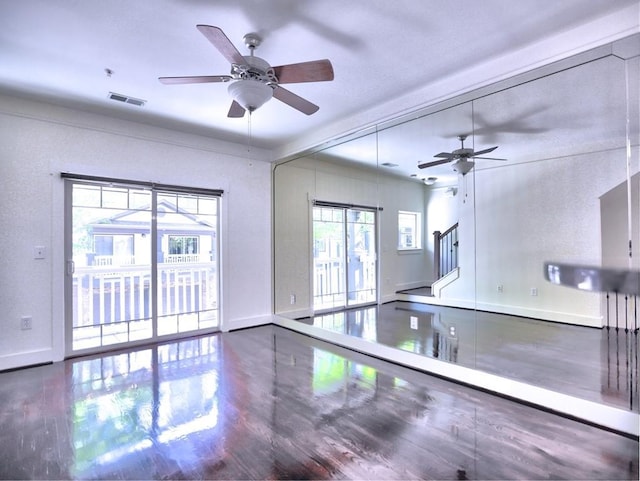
389	57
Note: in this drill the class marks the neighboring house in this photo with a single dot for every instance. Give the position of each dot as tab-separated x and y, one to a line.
123	239
112	275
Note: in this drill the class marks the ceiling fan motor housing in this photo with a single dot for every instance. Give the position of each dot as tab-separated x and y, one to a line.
256	68
463	153
255	84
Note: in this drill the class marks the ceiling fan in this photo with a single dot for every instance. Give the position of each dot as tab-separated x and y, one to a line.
254	81
460	157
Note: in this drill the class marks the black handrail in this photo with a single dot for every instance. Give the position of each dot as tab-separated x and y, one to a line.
445	251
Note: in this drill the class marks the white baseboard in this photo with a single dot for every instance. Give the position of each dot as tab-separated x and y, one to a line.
297	313
26	359
388	298
509	310
436	301
245	323
411	285
545	315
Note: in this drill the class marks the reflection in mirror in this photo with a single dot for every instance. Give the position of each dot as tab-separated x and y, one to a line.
319	198
544	202
567	191
533	351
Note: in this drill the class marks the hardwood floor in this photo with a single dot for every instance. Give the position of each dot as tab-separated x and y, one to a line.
268	403
599	365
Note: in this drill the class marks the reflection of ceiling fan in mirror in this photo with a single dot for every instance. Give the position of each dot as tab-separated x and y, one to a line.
460	157
254	81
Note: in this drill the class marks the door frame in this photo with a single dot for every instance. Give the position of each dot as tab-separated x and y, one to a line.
376	237
73	179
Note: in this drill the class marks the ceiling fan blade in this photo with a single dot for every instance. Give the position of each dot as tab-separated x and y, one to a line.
220	41
446	155
434	163
236	110
200	79
487	158
314	71
294	101
485	151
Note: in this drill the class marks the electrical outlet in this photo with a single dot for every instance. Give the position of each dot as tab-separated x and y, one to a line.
293	299
534	291
414	322
500	288
26	323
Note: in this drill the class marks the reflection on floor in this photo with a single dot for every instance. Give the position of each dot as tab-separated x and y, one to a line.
595	364
268	403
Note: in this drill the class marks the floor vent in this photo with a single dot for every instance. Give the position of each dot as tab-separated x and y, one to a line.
126	99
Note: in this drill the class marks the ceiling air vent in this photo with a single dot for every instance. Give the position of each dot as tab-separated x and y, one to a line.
126	99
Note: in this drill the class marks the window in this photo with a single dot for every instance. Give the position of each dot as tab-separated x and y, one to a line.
409	230
113	245
183	245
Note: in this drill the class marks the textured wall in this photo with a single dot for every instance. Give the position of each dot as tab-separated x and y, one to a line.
297	184
39	141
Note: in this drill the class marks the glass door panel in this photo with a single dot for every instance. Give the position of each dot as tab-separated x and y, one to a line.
328	258
187	282
361	257
344	257
111	265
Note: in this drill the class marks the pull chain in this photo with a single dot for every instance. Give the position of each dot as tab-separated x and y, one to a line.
250	136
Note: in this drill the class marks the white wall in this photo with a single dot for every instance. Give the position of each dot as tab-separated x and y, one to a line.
38	141
297	184
401	270
615	216
441	214
523	215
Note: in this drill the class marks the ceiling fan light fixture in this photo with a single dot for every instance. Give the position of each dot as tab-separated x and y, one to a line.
430	180
463	166
250	94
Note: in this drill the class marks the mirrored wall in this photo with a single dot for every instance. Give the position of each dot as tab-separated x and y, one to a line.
451	266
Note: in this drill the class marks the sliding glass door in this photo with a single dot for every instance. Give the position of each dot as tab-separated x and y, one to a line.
187	267
142	264
344	257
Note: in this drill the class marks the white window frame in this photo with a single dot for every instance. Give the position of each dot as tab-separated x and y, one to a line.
411	229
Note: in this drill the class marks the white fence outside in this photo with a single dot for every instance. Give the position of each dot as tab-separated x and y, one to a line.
113	304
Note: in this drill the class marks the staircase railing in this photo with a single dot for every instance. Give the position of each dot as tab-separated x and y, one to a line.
620	343
445	251
622	312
